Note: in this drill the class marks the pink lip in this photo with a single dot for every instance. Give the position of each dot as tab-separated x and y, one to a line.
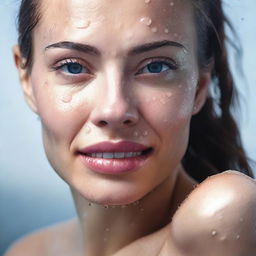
115	165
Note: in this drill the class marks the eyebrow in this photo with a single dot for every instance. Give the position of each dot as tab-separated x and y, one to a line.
94	51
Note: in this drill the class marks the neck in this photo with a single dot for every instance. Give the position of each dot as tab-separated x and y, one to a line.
107	229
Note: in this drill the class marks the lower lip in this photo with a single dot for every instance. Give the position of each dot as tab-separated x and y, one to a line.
113	166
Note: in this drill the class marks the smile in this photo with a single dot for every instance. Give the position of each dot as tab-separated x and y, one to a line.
115	158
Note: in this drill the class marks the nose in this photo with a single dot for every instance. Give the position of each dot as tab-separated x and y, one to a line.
114	108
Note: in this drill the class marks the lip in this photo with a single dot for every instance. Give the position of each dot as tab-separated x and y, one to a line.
115	165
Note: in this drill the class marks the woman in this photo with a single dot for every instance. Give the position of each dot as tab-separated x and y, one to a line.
123	92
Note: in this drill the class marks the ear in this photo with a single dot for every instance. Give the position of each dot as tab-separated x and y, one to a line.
25	80
202	90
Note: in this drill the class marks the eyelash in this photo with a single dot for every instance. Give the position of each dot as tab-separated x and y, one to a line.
172	65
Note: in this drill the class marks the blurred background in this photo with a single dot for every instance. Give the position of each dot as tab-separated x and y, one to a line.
31	194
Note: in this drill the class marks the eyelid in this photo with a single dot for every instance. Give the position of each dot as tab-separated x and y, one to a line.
168	61
61	63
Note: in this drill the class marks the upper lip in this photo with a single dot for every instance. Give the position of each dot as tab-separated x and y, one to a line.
122	146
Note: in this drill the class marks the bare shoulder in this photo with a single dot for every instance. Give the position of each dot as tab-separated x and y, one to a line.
218	217
44	242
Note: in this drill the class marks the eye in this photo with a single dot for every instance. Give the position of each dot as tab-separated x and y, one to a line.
71	67
156	67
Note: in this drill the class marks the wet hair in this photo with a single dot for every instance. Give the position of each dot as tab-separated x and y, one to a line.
214	144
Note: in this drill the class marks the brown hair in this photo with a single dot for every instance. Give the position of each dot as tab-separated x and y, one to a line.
215	143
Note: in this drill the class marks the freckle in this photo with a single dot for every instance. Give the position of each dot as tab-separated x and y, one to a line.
154	29
166	30
67	98
146	21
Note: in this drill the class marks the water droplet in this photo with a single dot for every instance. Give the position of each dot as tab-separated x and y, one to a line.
87	129
83	24
136	133
106	206
145	133
237	237
107	229
105	239
147	1
67	98
180	85
154	99
214	233
171	3
241	219
154	29
90	204
223	238
142	209
168	94
146	20
175	35
166	30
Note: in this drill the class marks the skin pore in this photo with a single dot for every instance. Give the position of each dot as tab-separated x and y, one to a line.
116	71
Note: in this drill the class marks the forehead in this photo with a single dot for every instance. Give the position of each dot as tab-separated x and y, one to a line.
101	20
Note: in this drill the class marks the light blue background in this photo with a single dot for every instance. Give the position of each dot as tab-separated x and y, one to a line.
31	194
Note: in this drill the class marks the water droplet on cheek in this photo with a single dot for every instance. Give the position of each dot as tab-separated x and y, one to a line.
171	3
146	21
87	129
168	94
67	98
237	237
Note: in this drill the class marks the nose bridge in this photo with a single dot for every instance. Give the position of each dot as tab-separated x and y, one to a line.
115	106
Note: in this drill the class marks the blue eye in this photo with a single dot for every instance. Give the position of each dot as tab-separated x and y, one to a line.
73	68
157	67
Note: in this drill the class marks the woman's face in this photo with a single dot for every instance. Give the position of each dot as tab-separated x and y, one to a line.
115	71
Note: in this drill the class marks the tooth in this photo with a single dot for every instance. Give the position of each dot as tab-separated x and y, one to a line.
99	155
134	154
128	154
108	155
93	154
119	154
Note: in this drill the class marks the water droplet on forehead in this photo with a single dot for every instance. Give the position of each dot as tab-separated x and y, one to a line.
146	20
154	29
214	233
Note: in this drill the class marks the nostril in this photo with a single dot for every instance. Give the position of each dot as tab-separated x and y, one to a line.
127	122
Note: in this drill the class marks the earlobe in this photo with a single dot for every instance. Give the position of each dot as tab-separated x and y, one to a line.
202	91
24	77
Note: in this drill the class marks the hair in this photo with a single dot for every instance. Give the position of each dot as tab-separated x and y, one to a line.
215	143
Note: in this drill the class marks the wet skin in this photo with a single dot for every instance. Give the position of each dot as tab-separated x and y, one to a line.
117	71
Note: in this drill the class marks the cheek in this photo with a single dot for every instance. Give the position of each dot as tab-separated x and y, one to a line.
60	111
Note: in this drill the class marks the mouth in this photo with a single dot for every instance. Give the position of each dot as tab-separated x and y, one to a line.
118	155
115	158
